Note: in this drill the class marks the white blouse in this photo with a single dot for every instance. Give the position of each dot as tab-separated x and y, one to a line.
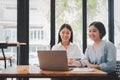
72	50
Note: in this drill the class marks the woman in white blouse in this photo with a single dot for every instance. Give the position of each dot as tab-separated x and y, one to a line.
65	42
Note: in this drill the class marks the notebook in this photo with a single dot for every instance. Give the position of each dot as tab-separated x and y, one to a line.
53	60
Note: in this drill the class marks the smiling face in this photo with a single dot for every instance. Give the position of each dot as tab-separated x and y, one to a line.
94	33
65	34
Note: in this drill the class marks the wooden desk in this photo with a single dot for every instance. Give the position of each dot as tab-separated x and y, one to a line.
15	43
26	71
18	44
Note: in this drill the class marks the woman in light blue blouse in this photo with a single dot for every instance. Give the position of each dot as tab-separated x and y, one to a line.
102	54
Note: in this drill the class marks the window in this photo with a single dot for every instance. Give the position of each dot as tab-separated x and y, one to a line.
8	25
70	12
97	11
117	26
39	28
36	34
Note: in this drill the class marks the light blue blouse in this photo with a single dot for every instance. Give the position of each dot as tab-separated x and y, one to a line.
105	56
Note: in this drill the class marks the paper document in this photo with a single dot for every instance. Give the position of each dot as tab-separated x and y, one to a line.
83	69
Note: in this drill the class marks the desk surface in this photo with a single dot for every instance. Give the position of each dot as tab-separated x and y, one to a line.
12	44
15	43
33	71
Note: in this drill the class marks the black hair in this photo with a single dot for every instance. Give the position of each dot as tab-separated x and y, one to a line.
69	28
100	26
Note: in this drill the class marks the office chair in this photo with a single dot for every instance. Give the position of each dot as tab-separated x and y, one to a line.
3	57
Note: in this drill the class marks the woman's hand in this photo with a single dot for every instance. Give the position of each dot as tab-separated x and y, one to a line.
73	62
91	65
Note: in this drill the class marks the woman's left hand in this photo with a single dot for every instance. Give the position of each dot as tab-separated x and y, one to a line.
73	62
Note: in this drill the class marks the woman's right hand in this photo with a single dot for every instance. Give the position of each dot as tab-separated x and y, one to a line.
91	65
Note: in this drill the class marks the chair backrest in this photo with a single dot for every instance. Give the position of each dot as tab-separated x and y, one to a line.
3	45
118	68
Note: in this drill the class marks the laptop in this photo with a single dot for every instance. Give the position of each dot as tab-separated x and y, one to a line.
54	60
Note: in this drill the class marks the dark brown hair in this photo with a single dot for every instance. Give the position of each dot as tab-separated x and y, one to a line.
69	28
100	26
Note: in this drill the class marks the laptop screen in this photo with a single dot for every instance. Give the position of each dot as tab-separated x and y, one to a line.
53	60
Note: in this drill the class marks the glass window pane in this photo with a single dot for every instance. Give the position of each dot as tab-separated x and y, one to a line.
8	25
97	10
39	28
70	12
117	26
